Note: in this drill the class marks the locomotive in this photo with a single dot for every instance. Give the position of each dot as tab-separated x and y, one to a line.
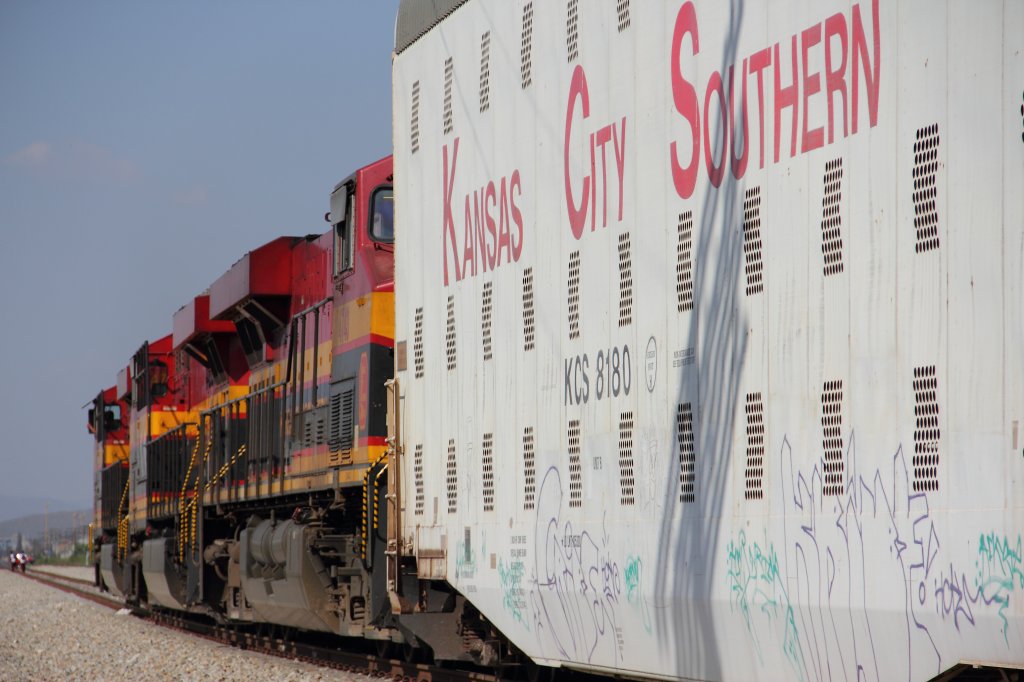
253	486
694	356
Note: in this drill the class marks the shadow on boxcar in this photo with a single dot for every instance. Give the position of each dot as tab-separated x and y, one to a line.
687	568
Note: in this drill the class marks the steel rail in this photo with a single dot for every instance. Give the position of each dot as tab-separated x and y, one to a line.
251	638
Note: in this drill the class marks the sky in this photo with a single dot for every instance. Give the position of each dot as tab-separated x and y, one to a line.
145	147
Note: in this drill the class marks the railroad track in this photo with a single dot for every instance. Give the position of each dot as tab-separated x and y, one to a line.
271	643
76	586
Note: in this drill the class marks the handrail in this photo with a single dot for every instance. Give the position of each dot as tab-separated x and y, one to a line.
171	432
247	396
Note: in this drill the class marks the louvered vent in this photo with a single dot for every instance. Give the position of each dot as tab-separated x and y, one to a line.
625	281
342	420
485	319
485	72
627	479
418	475
414	119
831	221
687	453
684	263
487	465
452	478
926	429
529	470
526	47
417	344
575	465
926	166
449	75
754	474
449	337
622	7
832	437
574	295
528	323
572	30
321	431
752	241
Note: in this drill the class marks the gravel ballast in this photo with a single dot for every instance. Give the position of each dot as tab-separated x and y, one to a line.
48	634
80	572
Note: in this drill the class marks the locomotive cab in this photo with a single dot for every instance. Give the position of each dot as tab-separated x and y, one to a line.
106	422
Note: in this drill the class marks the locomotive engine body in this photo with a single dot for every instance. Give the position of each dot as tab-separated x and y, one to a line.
258	435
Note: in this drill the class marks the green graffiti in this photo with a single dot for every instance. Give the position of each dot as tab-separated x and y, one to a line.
632	579
633	576
999	572
511	578
756	587
465	563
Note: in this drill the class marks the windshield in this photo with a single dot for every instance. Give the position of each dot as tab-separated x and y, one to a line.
382	215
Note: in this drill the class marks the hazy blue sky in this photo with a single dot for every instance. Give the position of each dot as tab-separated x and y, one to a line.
144	147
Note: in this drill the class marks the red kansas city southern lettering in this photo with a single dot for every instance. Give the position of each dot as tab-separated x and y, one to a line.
599	139
489	213
793	85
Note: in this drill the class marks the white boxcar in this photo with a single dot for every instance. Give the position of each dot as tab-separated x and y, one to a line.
713	320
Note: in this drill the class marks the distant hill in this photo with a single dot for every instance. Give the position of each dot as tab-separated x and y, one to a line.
16	507
34	525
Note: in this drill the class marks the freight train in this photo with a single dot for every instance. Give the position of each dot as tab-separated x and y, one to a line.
677	340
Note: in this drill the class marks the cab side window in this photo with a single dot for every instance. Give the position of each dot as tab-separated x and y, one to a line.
344	239
382	215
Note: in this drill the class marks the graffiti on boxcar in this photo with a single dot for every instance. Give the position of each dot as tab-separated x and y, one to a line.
576	583
634	575
510	576
802	597
756	586
999	572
